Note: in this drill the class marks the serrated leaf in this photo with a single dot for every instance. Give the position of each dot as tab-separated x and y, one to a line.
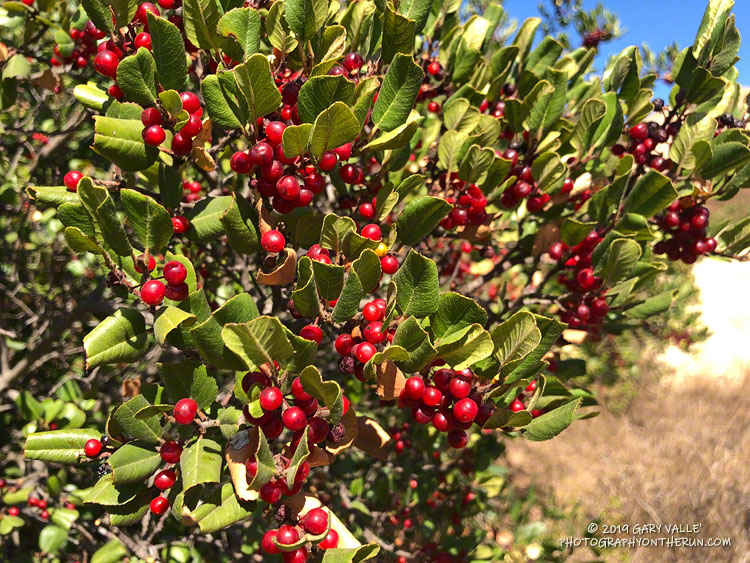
334	127
169	52
412	338
463	348
328	393
240	223
418	286
133	463
101	207
243	25
306	17
258	342
120	141
295	139
200	463
515	339
136	76
98	13
149	220
256	86
650	195
454	313
398	93
305	294
622	258
551	423
220	510
592	114
398	34
420	217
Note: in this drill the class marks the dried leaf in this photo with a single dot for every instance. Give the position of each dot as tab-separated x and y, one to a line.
283	274
130	388
238	450
372	438
349	421
545	236
390	380
202	158
266	222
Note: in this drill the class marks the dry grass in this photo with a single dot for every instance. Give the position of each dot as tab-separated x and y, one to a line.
679	455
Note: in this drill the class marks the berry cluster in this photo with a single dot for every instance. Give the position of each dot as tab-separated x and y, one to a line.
584	307
313	528
449	400
363	341
518	403
193	189
182	141
684	225
644	138
153	291
523	188
468	201
83	48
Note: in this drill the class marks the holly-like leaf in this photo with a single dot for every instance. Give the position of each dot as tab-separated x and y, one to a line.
515	339
260	341
168	319
201	19
59	446
306	17
189	379
101	207
256	86
169	52
145	429
350	554
412	338
133	463
650	195
99	13
398	34
221	100
398	93
150	221
243	25
328	393
454	313
221	509
120	141
551	423
295	139
418	286
136	76
240	223
205	218
320	92
305	294
200	463
420	217
106	493
464	348
335	126
120	338
334	230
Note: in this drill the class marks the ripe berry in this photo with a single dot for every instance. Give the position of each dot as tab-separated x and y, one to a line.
181	144
14	511
143	9
154	135
353	61
331	540
315	521
272	428
374	332
516	406
267	542
190	102
371	231
271	398
288	188
349	173
159	505
457	438
459	388
433	107
465	410
92	447
318	430
414	387
141	258
371	312
328	161
180	224
343	344
366	210
105	63
312	332
261	154
364	351
639	132
270	492
585	278
432	396
165	479
273	241
294	419
71	180
175	272
315	182
151	116
44	515
434	68
297	556
344	151
287	535
274	131
143	39
170	452
192	127
273	171
152	292
185	410
289	94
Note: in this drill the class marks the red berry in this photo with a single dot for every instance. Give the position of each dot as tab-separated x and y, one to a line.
366	210
71	180
297	556
152	292
106	62
92	447
516	406
274	131
181	144
267	542
433	107
315	182
432	396
192	127
344	151
457	438
165	479
14	511
331	540
151	116
294	419
180	224
343	344
315	521
170	452
185	410
175	272
270	492
371	231
434	68
459	388
287	535
44	515
312	332
371	312
272	428
639	132
374	332
414	387
389	264
159	505
299	391
288	188
364	351
585	278
465	410
154	135
328	161
143	39
261	154
273	241
190	102
352	62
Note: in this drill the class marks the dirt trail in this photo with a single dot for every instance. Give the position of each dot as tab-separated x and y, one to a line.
680	454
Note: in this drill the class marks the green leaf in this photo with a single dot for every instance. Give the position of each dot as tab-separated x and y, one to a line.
329	279
106	493
549	107
398	93
52	539
334	127
133	463
90	96
131	512
258	342
367	267
652	306
189	379
306	17
16	67
98	13
220	510
412	338
147	430
726	157
622	258
364	93
320	92
348	302
136	76
418	286
334	230
257	87
710	28
240	223
295	139
169	52
101	207
550	424
463	348
300	455
515	339
200	463
351	554
550	329
205	218
395	139
451	150
242	24
420	217
120	141
279	34
111	552
221	104
9	523
120	338
59	446
650	195
149	220
454	313
81	242
55	195
328	393
584	134
305	294
398	34
572	231
417	10
169	318
201	19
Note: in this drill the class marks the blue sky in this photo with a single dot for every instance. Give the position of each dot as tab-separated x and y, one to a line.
655	22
